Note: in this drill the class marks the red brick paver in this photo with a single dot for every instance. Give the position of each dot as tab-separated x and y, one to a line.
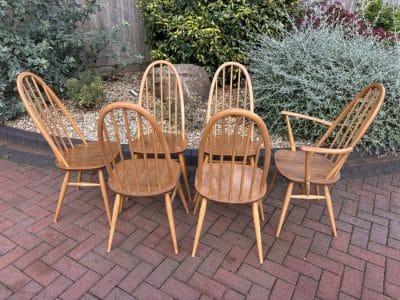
68	260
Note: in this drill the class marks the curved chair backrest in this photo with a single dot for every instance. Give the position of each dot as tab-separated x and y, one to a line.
48	114
244	179
230	88
352	123
122	123
161	94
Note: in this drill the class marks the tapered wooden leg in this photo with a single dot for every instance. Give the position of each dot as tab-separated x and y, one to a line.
261	207
79	179
330	209
284	207
114	221
170	216
62	195
105	196
256	219
182	196
197	200
123	199
202	214
273	182
185	174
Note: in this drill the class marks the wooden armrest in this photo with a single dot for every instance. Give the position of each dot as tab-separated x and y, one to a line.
314	119
325	150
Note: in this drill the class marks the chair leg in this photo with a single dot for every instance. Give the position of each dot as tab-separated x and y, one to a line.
256	219
197	201
202	214
330	209
114	221
62	195
105	196
273	182
185	175
261	207
182	196
170	216
79	179
286	201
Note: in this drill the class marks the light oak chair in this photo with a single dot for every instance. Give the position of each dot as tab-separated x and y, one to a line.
73	153
161	94
228	178
154	173
320	165
231	87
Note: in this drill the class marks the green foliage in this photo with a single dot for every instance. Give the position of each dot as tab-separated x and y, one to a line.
382	15
44	37
87	90
317	71
210	32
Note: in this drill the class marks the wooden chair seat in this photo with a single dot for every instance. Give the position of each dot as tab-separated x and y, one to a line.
223	145
136	185
291	165
176	144
223	173
84	157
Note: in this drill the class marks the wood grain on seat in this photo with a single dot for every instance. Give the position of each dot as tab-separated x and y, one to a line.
291	165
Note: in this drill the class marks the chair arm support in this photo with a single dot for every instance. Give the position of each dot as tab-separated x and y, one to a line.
325	150
301	116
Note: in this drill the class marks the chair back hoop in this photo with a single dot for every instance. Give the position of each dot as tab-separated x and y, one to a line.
228	171
352	123
161	94
48	114
231	87
124	123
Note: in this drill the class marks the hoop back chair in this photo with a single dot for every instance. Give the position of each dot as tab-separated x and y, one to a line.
131	175
161	94
73	153
320	165
231	87
228	178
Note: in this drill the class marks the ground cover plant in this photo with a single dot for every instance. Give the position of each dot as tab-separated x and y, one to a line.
318	68
209	33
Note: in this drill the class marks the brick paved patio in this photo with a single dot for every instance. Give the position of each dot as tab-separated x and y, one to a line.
68	260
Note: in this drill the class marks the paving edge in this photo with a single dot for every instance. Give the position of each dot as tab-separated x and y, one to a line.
33	139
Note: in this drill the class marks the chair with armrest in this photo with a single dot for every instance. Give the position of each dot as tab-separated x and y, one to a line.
320	165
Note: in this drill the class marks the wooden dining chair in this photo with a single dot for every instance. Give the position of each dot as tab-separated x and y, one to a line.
226	178
231	87
161	94
73	153
154	173
319	165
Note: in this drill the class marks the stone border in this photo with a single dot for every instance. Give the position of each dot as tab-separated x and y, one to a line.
33	139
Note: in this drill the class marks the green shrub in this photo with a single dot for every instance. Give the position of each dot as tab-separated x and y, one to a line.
382	15
317	71
44	37
87	90
208	33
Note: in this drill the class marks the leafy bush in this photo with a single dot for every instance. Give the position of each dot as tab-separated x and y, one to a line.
317	71
209	33
87	90
384	15
44	37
